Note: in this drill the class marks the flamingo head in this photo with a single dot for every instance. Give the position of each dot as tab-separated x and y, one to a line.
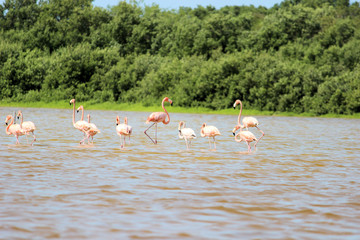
237	127
117	120
72	101
236	103
19	114
8	117
181	123
168	100
204	125
80	108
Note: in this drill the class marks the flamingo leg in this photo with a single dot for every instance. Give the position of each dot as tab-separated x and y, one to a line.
214	143
156	133
263	134
209	143
147	134
124	140
121	145
186	142
249	147
34	138
17	139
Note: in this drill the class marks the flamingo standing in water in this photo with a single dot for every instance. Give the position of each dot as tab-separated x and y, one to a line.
28	127
14	129
186	133
93	129
245	136
123	129
247	122
81	125
157	117
209	131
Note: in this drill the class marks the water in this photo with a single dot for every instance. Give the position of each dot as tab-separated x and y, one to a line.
302	182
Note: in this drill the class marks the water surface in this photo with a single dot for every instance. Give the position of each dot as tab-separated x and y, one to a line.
302	182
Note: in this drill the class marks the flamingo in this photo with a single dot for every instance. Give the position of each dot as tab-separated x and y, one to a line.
157	117
93	129
209	131
123	129
246	136
28	127
81	125
14	129
186	133
247	122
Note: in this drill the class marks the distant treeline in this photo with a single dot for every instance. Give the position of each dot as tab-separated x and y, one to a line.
298	56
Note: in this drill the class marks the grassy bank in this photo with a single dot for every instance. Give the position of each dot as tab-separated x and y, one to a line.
140	108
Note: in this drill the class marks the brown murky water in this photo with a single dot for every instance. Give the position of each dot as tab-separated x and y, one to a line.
302	182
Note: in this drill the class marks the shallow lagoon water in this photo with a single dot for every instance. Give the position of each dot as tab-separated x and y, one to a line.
302	182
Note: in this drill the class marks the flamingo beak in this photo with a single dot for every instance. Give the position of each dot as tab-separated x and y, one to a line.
6	123
117	124
171	104
234	107
77	111
233	133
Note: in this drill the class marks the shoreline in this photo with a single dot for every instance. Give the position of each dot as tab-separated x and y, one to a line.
138	107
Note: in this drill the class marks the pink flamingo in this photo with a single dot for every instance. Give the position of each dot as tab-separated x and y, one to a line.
93	129
209	131
186	133
247	122
157	117
81	125
246	136
123	129
28	127
14	129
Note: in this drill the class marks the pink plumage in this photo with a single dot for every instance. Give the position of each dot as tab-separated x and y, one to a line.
157	117
209	131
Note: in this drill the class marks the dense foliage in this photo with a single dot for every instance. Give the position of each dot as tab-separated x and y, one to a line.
299	56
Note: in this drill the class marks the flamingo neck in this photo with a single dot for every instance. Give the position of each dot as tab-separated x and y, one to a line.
82	114
238	140
179	128
73	120
7	128
21	122
239	118
88	118
202	131
162	104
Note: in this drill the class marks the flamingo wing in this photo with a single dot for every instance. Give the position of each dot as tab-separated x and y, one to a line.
188	133
156	117
28	126
250	122
82	126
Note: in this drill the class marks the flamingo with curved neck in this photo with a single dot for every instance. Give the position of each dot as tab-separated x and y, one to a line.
246	122
14	129
28	127
81	125
245	136
157	117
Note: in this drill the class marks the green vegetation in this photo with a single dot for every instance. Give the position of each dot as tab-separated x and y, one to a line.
299	57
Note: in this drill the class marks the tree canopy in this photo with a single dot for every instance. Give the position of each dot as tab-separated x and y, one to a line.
299	56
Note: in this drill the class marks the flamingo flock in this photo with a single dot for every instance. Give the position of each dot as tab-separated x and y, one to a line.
124	130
